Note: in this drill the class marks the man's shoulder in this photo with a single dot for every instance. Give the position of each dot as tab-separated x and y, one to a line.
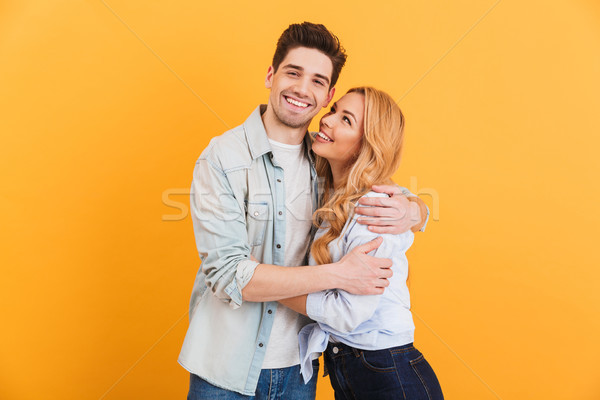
229	150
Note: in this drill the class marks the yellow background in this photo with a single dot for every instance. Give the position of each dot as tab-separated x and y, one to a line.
105	106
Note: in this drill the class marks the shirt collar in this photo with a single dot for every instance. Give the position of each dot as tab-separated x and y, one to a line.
257	138
256	135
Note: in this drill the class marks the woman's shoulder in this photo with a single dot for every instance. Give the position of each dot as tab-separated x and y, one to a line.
352	225
354	230
368	194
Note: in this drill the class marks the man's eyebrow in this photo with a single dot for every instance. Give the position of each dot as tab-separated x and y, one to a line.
299	68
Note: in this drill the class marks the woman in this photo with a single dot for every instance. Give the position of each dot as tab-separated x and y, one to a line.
367	340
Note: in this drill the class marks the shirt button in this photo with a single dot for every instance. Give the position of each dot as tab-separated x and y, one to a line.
256	213
260	345
279	180
278	246
335	350
270	311
280	213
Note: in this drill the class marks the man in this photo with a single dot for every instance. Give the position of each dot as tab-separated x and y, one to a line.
253	195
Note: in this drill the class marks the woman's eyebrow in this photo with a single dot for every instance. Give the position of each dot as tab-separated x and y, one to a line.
349	113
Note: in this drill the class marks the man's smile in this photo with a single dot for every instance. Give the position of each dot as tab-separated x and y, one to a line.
296	103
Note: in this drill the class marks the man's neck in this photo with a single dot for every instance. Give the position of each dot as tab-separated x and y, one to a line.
279	132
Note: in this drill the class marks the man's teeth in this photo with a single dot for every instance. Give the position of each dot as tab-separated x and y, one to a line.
322	135
296	103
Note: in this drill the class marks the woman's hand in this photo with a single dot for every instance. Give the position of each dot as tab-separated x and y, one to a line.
396	214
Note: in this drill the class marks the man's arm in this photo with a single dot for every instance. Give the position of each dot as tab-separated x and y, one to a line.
396	214
341	311
356	272
222	241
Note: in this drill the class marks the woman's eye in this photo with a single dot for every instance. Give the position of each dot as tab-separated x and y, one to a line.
332	110
347	120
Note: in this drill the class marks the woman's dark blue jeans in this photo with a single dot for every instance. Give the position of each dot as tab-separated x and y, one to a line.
397	373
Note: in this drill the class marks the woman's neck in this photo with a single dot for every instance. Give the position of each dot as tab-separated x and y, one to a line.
339	174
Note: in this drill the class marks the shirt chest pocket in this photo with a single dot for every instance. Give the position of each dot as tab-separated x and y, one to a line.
257	216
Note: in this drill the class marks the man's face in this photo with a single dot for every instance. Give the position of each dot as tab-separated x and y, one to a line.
300	87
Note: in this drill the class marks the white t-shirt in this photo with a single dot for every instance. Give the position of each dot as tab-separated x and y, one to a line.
282	349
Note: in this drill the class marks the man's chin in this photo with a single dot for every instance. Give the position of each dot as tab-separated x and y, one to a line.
294	123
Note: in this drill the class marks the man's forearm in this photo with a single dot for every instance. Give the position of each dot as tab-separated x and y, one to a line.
422	213
356	273
272	282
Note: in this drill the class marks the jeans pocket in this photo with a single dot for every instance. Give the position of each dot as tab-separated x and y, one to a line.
378	360
427	377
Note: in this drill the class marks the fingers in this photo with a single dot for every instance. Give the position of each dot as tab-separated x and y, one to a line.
387	229
376	202
383	283
385	265
375	211
390	190
376	290
370	246
378	221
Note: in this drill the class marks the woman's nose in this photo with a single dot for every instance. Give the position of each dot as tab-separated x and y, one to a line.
326	120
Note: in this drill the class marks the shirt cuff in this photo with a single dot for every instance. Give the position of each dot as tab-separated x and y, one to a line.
426	220
314	306
245	271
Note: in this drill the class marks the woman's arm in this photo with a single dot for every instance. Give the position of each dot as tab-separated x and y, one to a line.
297	303
396	214
343	311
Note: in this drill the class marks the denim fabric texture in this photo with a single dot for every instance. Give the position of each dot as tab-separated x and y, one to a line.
273	384
396	373
237	192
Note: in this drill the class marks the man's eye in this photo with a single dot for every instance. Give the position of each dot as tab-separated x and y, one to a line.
319	83
292	73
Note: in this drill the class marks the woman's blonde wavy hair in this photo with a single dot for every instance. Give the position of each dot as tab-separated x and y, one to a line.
375	163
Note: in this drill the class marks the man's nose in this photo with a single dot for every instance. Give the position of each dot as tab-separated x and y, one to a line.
301	87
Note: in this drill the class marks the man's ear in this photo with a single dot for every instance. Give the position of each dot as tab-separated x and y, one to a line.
329	97
269	78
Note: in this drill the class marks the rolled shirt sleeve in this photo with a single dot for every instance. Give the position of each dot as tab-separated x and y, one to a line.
219	222
408	193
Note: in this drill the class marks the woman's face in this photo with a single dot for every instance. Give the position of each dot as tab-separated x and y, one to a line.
341	130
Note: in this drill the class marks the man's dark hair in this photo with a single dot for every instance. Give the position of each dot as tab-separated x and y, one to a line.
312	36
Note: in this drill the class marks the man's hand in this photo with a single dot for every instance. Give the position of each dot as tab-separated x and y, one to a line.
364	274
396	214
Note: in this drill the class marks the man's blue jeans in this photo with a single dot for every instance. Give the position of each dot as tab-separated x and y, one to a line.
397	373
273	384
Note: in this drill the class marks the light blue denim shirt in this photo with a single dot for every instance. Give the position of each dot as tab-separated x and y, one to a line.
366	322
236	195
236	198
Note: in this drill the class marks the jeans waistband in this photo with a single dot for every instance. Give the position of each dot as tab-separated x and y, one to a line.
335	348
